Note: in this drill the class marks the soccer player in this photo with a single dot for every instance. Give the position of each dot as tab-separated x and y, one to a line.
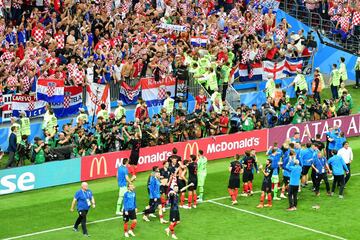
174	211
123	179
202	172
182	181
135	142
165	180
286	148
84	199
192	168
338	166
274	153
248	176
266	185
319	167
295	173
234	180
154	194
306	158
174	156
130	210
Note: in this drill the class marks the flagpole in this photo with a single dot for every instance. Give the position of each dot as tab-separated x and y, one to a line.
96	102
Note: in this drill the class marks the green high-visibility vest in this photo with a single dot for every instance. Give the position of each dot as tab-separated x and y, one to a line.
83	116
343	71
104	114
212	81
120	111
225	72
18	133
51	124
335	77
231	56
169	105
25	126
301	84
270	88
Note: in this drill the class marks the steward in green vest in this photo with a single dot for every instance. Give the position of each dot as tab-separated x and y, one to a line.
24	124
52	122
300	84
270	87
83	117
211	83
343	70
335	82
103	112
169	104
120	111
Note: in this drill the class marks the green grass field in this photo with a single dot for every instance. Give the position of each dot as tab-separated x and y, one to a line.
47	211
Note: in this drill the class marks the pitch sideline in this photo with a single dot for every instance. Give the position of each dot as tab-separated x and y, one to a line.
210	200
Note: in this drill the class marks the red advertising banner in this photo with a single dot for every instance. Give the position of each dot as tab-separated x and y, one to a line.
350	125
105	165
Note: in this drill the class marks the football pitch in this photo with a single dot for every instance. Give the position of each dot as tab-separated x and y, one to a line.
45	214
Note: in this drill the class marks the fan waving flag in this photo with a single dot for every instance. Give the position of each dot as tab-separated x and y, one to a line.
50	90
154	92
72	102
97	94
276	69
128	94
27	103
291	65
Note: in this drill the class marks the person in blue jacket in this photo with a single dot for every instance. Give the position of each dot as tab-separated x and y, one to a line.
12	147
320	168
154	194
295	173
331	135
306	157
130	210
339	141
286	148
338	167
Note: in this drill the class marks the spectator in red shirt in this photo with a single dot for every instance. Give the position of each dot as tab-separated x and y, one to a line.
200	100
142	112
224	122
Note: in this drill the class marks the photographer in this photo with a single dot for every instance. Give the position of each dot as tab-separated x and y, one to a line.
286	114
248	120
38	151
269	115
345	104
22	151
178	131
300	114
213	126
235	121
224	122
329	109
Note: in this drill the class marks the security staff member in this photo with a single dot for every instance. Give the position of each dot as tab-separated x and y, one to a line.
24	124
84	199
335	82
300	84
83	117
357	73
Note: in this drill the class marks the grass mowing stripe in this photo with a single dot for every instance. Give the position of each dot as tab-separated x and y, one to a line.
277	220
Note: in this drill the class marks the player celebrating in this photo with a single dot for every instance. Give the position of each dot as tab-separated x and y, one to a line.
130	210
123	179
164	179
154	203
234	180
174	211
274	153
181	175
248	176
266	185
201	162
135	142
192	168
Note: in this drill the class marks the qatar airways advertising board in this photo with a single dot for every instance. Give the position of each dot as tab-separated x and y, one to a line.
105	165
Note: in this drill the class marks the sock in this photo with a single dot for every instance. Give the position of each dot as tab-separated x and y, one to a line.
246	188
272	186
171	227
262	198
269	198
250	186
243	187
161	216
119	203
189	200
195	199
182	199
133	225
275	190
163	201
201	192
236	192
125	227
231	193
283	190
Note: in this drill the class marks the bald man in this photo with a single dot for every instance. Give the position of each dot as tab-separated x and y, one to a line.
84	199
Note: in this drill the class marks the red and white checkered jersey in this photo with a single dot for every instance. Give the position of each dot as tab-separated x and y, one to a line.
11	82
25	81
245	56
356	19
38	34
60	39
280	34
344	23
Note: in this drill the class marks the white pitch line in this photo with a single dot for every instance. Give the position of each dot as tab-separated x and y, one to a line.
105	220
278	220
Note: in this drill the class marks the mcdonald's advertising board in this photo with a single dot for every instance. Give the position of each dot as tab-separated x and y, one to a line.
105	165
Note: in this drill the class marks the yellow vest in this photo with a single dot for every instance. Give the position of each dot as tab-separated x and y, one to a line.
169	105
335	79
301	84
25	126
83	116
343	72
104	114
51	124
120	111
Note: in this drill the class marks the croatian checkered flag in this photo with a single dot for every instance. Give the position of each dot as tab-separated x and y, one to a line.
51	89
162	92
67	99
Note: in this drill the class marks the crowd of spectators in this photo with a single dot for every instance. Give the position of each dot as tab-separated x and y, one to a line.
114	41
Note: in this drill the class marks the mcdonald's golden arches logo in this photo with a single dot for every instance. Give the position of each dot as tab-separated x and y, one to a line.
98	161
193	149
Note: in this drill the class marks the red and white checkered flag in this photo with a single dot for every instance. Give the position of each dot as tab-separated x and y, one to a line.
251	72
162	92
51	89
67	99
31	106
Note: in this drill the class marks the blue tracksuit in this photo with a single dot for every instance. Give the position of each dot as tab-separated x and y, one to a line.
275	159
129	201
154	187
320	164
331	135
338	165
295	173
285	160
339	142
306	156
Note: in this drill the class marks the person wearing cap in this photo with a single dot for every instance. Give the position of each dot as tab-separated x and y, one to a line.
12	147
120	111
299	83
14	123
317	86
343	70
270	86
169	104
295	173
357	73
335	82
82	117
24	124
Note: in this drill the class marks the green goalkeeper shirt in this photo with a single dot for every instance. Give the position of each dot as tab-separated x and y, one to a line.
202	162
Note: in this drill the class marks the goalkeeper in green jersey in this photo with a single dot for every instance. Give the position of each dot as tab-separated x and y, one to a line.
201	173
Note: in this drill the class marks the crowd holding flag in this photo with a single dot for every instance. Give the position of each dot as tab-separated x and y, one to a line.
97	94
50	90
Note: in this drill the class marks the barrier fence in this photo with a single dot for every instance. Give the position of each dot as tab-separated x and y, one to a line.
104	165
